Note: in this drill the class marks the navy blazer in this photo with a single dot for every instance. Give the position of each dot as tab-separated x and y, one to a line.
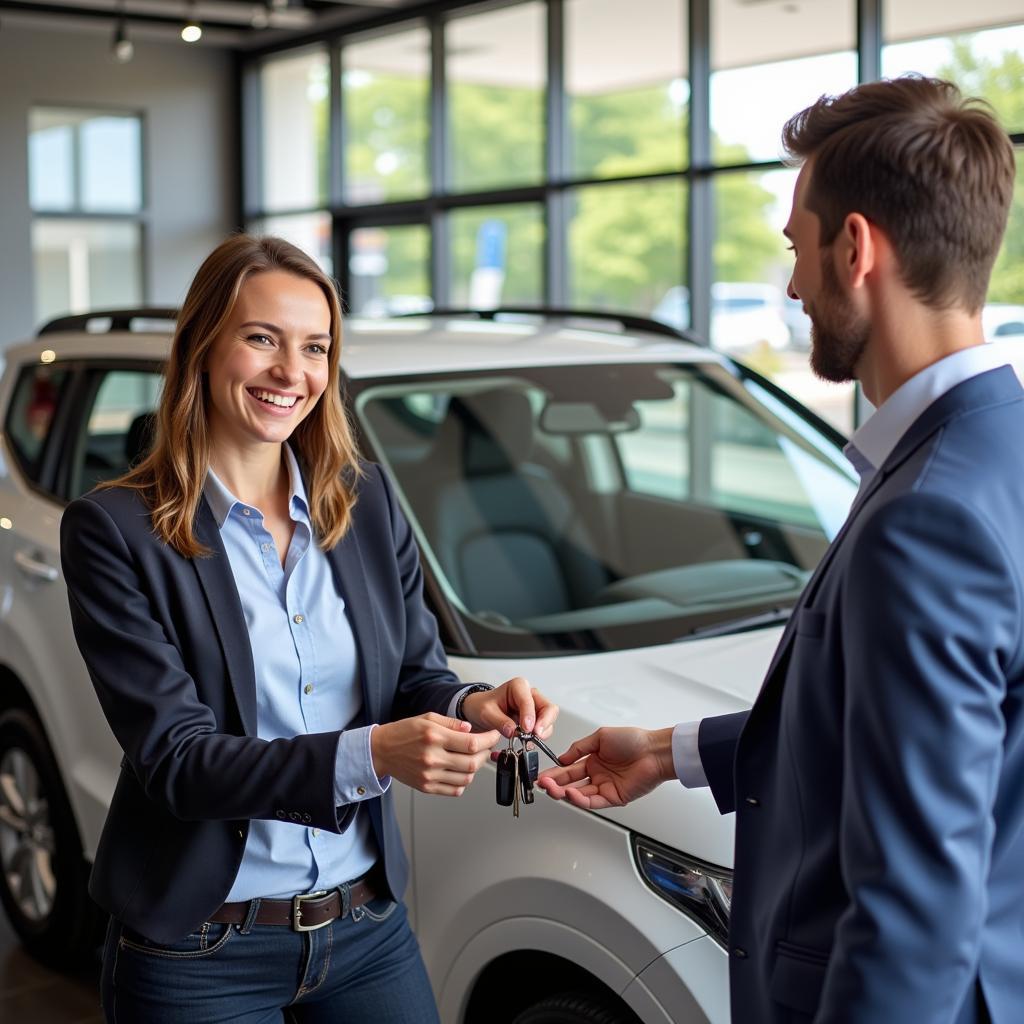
167	648
878	780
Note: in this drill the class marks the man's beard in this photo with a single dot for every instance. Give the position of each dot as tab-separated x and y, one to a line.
839	333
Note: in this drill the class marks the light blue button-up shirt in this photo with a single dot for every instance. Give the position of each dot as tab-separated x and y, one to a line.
871	444
306	667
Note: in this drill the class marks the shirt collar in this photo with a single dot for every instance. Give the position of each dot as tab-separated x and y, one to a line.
873	442
222	501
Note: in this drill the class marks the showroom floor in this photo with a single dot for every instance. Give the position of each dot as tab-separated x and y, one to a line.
29	991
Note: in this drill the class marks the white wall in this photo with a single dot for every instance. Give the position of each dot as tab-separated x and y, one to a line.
187	98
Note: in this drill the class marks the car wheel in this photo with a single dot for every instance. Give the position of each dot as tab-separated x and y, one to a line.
576	1008
43	876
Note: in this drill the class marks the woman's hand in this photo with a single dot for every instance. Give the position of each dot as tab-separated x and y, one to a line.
513	703
431	753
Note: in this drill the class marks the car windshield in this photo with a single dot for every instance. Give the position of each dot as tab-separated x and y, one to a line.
603	507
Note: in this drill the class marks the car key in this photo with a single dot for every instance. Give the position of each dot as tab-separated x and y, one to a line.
505	786
529	737
525	778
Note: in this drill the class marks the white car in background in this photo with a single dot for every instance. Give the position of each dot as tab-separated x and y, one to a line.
622	516
1002	320
744	315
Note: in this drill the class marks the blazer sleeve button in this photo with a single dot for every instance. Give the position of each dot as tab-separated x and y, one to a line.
281	815
753	801
295	816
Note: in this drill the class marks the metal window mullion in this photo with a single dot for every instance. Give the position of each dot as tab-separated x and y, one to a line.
336	132
440	275
556	200
251	170
700	225
869	40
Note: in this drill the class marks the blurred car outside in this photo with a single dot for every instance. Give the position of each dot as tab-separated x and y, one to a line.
745	315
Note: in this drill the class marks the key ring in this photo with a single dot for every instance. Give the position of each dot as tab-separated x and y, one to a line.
529	737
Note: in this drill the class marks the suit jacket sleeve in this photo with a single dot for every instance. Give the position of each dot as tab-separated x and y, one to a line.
717	741
168	734
425	682
931	615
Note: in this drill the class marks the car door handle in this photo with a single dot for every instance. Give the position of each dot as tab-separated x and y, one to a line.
32	565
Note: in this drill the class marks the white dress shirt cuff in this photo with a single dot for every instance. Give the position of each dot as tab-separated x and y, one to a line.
354	777
686	755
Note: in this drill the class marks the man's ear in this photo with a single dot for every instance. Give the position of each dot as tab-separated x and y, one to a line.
856	250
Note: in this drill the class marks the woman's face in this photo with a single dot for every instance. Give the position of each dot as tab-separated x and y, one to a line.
268	367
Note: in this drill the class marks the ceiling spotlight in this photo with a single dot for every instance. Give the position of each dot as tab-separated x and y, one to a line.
260	16
191	31
122	47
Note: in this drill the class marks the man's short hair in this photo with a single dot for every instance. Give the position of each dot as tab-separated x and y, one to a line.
933	170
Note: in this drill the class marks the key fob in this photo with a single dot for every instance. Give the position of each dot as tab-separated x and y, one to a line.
529	764
525	777
505	786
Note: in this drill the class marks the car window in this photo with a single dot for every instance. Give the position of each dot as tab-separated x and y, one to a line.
34	403
117	426
606	506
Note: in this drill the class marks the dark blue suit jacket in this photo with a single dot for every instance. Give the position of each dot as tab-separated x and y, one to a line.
166	645
878	780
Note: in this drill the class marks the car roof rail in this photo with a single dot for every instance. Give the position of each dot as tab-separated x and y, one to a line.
116	320
630	321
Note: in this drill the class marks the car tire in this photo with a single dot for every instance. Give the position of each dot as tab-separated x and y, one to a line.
577	1008
43	875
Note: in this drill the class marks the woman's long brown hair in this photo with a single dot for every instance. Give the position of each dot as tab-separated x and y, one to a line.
170	478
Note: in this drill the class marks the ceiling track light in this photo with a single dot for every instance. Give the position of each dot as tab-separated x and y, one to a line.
191	31
122	49
261	15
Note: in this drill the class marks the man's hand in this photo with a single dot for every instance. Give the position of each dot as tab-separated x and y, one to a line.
431	753
513	703
611	767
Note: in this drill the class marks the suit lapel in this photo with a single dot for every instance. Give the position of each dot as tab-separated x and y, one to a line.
346	562
218	584
986	389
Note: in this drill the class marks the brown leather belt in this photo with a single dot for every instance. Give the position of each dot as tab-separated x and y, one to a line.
303	913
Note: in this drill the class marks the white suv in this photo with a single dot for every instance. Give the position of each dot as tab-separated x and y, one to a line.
620	515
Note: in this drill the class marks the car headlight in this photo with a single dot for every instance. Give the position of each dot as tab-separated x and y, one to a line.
699	890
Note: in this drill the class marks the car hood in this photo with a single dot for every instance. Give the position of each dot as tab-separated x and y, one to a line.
651	687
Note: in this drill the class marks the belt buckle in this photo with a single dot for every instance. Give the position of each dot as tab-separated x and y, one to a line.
297	902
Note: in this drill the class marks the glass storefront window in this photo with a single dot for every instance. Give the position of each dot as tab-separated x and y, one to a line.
497	256
626	86
389	270
752	318
627	245
988	63
769	62
311	232
295	106
495	64
84	161
82	265
386	104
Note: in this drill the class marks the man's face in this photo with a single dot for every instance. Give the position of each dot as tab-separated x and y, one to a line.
839	332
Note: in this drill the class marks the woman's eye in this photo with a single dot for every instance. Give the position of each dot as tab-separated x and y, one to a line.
318	350
261	339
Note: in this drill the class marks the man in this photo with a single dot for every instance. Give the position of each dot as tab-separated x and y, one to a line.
878	780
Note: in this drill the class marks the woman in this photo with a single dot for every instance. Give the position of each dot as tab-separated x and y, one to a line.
248	601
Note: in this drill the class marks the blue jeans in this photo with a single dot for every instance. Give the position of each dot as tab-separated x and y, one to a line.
362	968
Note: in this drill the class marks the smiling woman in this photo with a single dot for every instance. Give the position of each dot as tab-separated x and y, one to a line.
264	657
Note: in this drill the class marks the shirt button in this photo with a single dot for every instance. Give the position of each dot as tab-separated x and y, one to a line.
361	790
246	512
308	688
265	547
297	619
753	801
